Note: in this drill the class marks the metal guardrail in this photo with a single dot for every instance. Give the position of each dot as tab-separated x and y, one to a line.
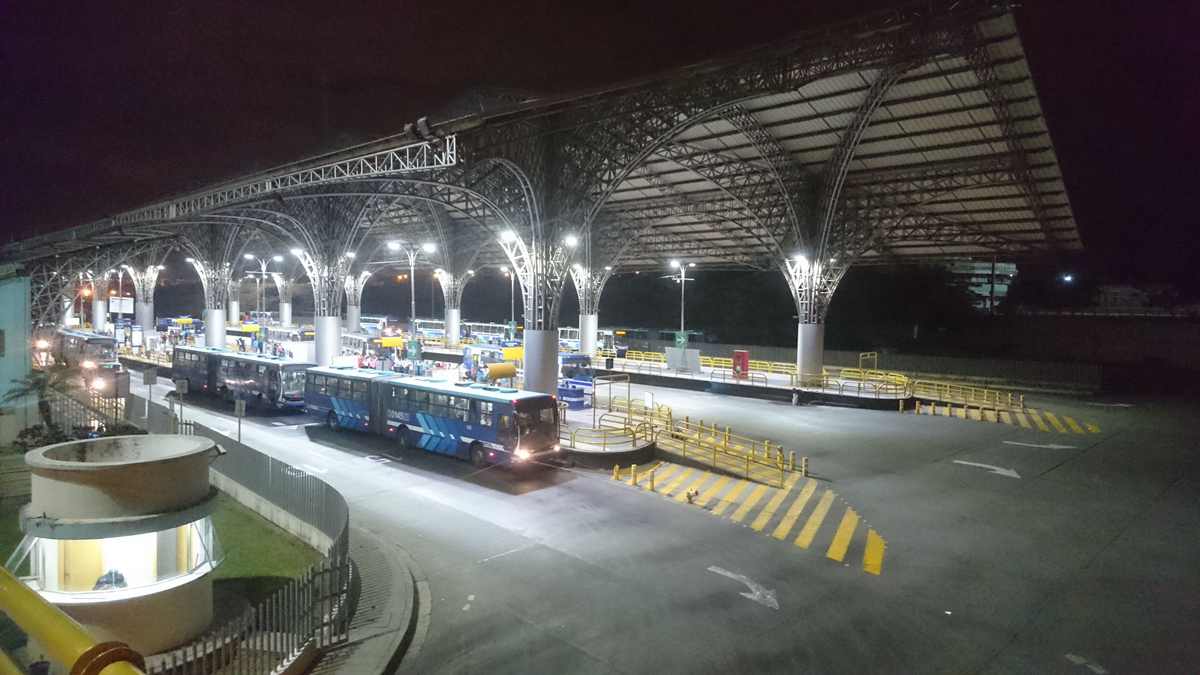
966	394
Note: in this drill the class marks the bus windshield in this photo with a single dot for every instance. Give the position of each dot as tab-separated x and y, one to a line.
293	382
537	417
101	350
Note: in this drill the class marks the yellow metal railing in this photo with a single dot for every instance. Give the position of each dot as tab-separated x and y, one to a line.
65	641
609	436
966	394
151	358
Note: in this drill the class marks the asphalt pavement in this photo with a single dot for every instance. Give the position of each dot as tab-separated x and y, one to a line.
1008	550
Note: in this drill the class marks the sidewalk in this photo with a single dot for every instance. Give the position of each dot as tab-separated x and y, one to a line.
387	618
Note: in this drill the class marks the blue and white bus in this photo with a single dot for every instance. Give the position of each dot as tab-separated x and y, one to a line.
478	422
261	380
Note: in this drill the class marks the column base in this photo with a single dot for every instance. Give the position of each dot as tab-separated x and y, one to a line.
453	326
327	339
541	361
214	327
810	349
588	333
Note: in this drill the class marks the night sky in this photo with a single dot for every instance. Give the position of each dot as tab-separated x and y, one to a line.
109	105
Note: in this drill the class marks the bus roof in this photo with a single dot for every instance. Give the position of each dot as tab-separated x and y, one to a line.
87	335
473	389
244	356
351	372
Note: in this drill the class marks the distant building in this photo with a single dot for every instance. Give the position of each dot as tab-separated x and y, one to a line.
987	282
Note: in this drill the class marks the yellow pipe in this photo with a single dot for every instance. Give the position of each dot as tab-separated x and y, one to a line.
7	667
62	638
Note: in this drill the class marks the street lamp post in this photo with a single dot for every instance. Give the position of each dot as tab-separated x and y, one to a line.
682	279
412	253
259	277
512	303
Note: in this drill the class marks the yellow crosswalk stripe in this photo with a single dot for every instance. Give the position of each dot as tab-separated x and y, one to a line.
678	479
740	514
841	539
712	491
794	511
873	557
1022	420
1054	421
643	478
1037	420
731	498
961	413
804	540
772	506
1073	424
664	474
682	496
1005	417
1093	428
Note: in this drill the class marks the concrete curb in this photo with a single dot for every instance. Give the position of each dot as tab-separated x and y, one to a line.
589	459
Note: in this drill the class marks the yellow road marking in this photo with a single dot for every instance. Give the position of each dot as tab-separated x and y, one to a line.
1093	428
644	477
665	474
961	413
1073	424
1022	420
841	539
682	496
794	511
1037	420
814	521
678	479
1058	426
740	514
772	506
873	558
712	491
731	498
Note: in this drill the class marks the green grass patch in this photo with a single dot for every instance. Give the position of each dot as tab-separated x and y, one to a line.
10	527
259	556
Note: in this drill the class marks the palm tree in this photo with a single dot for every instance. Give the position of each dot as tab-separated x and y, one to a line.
39	383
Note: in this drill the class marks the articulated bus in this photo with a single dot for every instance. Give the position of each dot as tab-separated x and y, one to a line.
262	381
481	423
96	356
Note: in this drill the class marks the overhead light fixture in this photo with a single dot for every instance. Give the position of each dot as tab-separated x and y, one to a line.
351	254
504	269
160	267
578	267
675	264
393	246
429	247
571	241
508	236
297	251
277	258
439	271
249	256
691	264
607	268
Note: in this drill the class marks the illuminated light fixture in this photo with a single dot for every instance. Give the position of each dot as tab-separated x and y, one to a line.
471	272
439	271
42	344
1068	278
608	268
691	264
578	267
429	247
189	260
508	236
832	260
277	258
98	383
393	246
249	256
297	251
675	264
571	241
802	260
160	267
351	254
112	292
521	454
87	365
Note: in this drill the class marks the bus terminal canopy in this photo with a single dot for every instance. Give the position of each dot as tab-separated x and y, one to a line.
912	134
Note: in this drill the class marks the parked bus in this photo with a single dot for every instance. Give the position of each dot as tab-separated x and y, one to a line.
96	357
481	423
262	381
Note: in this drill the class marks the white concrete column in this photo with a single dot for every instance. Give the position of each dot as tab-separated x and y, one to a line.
233	311
100	314
588	333
810	348
353	319
453	326
144	315
285	314
68	312
541	361
328	338
214	327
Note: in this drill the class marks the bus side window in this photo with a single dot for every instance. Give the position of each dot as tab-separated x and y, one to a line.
461	408
504	422
485	413
361	390
345	388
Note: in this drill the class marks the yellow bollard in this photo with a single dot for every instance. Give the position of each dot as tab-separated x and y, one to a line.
747	466
916	407
616	472
901	402
652	480
947	410
633	474
727	433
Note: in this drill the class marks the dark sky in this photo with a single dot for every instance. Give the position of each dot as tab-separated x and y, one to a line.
108	105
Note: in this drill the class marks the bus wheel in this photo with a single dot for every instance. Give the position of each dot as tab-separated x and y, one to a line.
478	455
331	421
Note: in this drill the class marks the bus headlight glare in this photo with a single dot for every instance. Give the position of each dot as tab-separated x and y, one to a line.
42	344
521	454
88	365
98	383
557	447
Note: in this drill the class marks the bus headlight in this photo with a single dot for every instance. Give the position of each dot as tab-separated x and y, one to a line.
88	365
557	447
98	383
521	454
42	344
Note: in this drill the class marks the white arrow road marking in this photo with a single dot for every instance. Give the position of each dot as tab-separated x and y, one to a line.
1001	471
1048	446
758	593
1096	404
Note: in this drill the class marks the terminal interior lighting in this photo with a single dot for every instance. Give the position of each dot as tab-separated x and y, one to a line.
508	236
189	260
277	258
297	251
351	254
42	344
608	268
249	256
393	246
429	247
691	264
675	264
571	241
1068	278
98	383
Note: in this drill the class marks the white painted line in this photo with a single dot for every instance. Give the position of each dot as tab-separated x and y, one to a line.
501	555
1095	404
758	593
1048	446
1000	471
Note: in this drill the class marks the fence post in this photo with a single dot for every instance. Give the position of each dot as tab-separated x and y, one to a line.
652	480
727	433
633	474
901	402
747	467
917	407
792	460
616	472
804	467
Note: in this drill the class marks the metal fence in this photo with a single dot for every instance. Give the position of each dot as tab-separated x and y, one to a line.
311	611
